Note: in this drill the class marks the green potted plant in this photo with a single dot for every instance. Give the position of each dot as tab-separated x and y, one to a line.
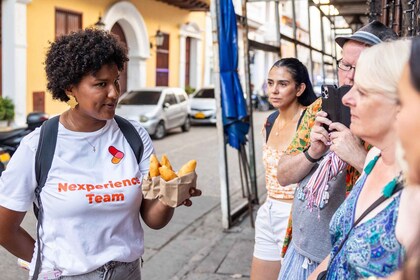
7	110
189	90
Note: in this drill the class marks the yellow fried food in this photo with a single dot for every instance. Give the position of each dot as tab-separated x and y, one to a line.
187	168
165	161
154	166
166	173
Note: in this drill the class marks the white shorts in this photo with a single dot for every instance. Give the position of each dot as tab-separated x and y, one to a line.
270	229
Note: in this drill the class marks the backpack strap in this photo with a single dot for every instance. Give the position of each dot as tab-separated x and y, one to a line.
48	140
43	159
269	123
45	154
132	136
300	118
272	118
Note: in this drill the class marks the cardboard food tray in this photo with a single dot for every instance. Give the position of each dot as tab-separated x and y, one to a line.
172	192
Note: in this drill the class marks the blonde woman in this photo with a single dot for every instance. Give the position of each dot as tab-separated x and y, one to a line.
371	246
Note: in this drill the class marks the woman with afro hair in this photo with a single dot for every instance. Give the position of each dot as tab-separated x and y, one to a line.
91	200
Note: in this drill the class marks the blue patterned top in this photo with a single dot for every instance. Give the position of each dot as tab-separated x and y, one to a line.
372	248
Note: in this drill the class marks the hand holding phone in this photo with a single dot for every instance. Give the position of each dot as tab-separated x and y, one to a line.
332	104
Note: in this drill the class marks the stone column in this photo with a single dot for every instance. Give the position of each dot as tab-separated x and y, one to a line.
14	47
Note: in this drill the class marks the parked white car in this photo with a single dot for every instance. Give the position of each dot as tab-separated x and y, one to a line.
203	107
158	109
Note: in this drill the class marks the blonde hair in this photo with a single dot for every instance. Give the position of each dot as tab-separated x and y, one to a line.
379	67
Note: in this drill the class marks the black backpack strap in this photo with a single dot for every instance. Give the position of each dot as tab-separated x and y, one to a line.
44	157
43	160
132	136
272	118
269	123
45	153
300	118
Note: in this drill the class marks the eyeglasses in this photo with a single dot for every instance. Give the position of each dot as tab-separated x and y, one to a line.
345	67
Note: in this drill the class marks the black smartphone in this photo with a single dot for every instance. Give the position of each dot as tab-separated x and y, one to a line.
332	104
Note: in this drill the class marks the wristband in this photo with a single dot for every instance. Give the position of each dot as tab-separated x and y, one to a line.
308	156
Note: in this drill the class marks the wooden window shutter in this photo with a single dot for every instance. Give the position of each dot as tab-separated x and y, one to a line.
38	101
162	63
187	61
66	22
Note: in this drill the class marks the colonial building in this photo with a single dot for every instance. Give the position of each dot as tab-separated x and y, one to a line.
165	39
170	41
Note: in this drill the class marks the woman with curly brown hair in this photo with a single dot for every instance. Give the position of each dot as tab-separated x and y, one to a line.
90	227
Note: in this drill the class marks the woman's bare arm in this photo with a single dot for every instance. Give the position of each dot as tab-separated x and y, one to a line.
13	237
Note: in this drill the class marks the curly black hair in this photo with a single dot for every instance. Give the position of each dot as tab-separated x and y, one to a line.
73	56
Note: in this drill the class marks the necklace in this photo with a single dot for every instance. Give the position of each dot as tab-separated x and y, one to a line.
93	146
278	128
100	136
388	189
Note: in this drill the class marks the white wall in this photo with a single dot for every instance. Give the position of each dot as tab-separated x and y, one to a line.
14	64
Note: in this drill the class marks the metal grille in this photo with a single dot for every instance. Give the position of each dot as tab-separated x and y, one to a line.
401	15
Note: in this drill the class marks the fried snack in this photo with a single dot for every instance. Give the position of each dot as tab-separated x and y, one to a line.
187	168
154	166
165	161
166	173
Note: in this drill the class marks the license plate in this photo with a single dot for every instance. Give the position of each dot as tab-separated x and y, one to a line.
4	158
200	115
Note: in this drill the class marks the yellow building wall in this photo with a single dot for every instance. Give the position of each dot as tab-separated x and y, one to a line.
41	30
155	18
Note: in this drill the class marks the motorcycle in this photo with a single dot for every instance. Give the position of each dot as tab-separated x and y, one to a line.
10	139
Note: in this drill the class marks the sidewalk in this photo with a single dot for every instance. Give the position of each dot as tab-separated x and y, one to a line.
201	249
193	246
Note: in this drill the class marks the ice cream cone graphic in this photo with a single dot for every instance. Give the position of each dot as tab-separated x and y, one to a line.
117	155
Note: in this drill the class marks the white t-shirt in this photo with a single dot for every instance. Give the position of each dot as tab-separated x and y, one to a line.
91	199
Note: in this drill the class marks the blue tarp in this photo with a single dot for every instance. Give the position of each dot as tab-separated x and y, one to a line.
234	109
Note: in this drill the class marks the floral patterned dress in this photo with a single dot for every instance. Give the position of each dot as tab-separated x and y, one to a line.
372	248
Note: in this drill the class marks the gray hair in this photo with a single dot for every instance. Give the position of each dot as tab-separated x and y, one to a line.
379	67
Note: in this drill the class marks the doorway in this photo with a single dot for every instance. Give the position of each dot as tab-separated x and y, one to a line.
117	30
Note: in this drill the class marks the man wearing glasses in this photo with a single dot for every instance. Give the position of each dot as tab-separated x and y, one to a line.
310	243
347	70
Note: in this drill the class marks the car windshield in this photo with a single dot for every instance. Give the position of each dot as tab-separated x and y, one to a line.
141	98
205	93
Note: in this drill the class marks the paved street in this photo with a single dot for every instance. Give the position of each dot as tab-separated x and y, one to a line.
194	245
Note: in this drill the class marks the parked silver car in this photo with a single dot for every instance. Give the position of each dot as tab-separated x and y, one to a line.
158	109
203	106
